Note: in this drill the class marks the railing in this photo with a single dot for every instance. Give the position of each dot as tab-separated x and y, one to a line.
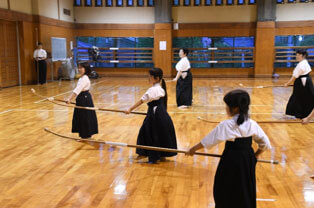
242	57
118	55
285	55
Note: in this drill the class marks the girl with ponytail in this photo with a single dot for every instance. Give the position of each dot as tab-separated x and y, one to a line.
235	182
157	129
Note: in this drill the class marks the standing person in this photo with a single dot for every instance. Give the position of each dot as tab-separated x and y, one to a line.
40	56
301	102
235	181
157	129
84	121
184	86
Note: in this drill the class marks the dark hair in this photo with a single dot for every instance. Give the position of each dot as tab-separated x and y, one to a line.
87	68
39	43
302	52
157	72
238	99
185	51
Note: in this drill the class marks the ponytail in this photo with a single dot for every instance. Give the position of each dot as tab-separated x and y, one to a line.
238	99
163	85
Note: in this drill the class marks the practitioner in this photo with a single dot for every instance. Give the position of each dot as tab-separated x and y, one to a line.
84	121
40	56
184	80
301	102
157	129
235	182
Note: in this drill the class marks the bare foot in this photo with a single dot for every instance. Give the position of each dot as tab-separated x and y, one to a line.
140	157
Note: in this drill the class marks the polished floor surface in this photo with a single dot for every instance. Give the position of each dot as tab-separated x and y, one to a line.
38	169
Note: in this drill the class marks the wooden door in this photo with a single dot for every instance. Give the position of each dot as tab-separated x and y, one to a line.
8	54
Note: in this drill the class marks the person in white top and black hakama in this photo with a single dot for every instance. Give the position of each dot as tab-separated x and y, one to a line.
184	88
40	56
235	182
301	102
84	121
157	129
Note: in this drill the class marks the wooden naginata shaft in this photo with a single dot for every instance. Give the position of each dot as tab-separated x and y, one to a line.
161	149
51	99
286	121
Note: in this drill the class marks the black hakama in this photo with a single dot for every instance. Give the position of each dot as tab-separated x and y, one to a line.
301	102
235	182
158	131
184	90
41	66
84	121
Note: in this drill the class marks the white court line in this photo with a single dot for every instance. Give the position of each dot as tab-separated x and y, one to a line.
270	200
3	112
39	101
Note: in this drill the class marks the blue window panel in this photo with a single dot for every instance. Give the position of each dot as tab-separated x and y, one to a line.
280	1
77	3
208	2
197	2
176	2
119	2
241	2
130	3
98	2
252	1
140	2
230	2
109	3
304	1
150	2
219	2
88	2
291	1
186	2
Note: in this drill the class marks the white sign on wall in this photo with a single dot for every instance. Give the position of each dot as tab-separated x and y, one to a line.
162	45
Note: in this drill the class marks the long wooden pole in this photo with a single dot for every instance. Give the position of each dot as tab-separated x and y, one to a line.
145	147
51	99
284	121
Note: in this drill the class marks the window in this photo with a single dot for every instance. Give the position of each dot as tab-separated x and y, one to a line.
98	3
109	3
186	2
132	52
197	2
150	3
234	52
280	1
285	49
140	2
88	2
241	2
230	2
252	1
130	3
77	3
219	2
291	1
208	2
176	2
304	1
119	3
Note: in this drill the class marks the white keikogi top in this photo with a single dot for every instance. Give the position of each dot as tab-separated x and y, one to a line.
229	130
83	84
40	53
302	68
183	65
153	93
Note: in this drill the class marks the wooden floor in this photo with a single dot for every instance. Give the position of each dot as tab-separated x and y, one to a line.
38	169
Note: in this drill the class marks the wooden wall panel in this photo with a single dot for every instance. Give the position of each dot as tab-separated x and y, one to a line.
295	28
264	49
